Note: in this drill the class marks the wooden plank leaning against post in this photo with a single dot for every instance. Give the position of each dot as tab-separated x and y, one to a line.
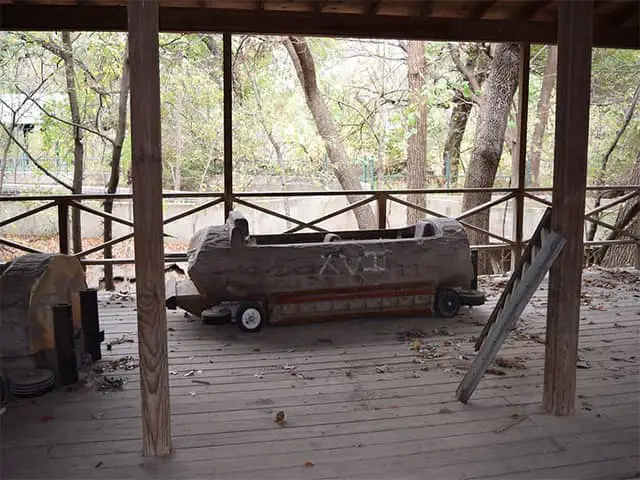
513	308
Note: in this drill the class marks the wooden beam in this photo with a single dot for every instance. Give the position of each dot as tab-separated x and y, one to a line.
374	7
480	9
113	18
625	14
147	218
227	123
519	160
531	9
569	189
426	9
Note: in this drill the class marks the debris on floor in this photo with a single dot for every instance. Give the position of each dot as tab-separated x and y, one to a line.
118	341
111	384
515	362
410	335
280	420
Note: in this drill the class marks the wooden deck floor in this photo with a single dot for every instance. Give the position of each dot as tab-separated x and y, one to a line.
359	403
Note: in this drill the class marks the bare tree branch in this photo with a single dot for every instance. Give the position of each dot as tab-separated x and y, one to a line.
33	160
468	74
60	52
62	120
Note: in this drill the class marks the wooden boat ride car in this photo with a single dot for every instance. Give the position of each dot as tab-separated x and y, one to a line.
303	277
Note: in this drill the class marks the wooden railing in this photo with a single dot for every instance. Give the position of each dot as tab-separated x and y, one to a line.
382	199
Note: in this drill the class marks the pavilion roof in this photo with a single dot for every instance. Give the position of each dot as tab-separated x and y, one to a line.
616	22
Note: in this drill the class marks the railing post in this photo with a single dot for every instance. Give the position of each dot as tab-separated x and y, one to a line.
63	226
381	200
227	123
520	153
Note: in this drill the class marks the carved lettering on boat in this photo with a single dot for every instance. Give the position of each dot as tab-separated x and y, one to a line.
337	263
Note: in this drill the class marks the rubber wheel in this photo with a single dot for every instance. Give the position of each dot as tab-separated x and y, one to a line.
216	316
251	317
447	303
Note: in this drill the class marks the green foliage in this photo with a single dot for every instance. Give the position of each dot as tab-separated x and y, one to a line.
363	82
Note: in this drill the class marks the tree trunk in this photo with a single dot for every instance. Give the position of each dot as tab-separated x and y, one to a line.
497	97
457	126
417	143
303	62
78	135
628	217
475	71
4	158
600	180
116	155
542	117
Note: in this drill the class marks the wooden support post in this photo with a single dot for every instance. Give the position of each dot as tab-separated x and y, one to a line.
63	227
381	200
519	162
147	219
228	123
575	39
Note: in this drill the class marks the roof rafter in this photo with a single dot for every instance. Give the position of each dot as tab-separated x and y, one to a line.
428	25
531	9
481	8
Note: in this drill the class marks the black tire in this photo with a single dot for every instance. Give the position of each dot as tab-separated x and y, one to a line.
251	317
447	303
216	316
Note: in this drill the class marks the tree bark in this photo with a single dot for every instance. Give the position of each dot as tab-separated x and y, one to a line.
78	136
417	143
457	126
304	64
628	217
497	97
542	117
3	159
591	233
474	70
116	155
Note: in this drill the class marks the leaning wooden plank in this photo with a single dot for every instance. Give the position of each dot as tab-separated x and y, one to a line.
519	271
513	309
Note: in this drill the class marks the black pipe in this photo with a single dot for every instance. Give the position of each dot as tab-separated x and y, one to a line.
91	323
65	351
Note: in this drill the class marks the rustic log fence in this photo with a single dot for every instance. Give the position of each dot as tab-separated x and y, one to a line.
382	199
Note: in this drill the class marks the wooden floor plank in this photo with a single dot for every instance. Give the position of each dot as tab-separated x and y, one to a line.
349	420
